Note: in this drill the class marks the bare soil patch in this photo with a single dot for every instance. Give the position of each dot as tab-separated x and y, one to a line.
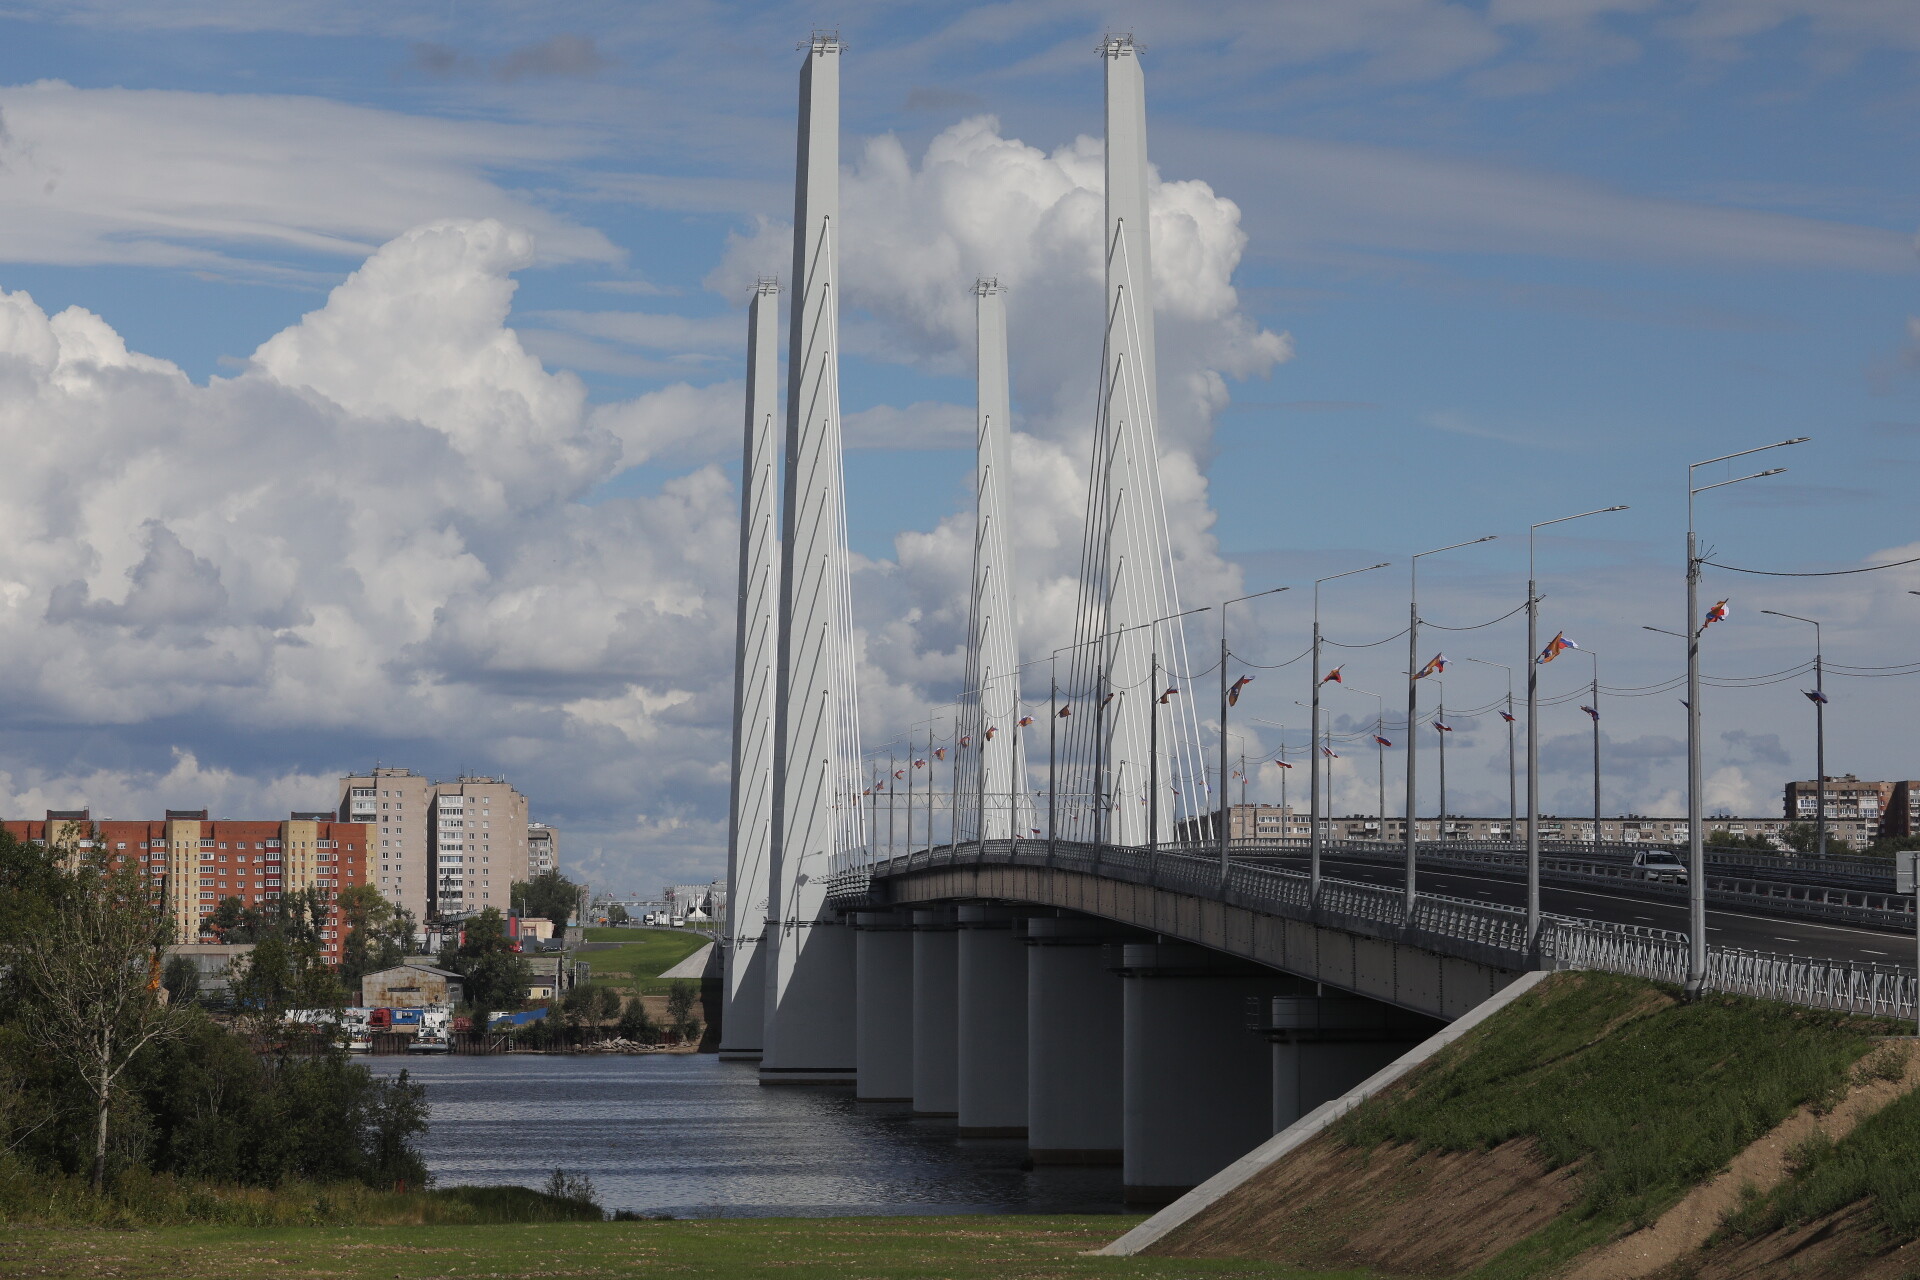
1392	1208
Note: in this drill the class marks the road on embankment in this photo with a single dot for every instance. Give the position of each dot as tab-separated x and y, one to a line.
1621	905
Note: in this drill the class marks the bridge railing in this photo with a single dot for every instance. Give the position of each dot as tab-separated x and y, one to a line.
1483	931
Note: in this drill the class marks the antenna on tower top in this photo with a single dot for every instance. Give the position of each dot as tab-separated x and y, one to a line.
986	285
1120	44
767	285
823	40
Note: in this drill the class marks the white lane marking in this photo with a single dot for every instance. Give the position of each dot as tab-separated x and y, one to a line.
1871	952
1648	919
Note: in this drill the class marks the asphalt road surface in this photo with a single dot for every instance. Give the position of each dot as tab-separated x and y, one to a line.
1621	905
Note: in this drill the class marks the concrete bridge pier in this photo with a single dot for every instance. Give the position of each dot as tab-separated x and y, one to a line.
1199	1076
992	989
1075	1004
883	1019
1324	1045
936	1021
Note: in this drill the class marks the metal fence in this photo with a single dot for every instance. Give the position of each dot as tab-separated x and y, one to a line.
1481	931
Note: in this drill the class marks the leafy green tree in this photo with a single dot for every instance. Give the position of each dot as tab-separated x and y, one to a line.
379	933
92	982
1721	838
1804	837
680	1002
637	1025
617	913
550	896
181	978
495	975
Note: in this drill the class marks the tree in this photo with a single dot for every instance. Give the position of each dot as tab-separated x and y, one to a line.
379	934
496	976
93	982
680	1002
1721	838
1804	837
181	978
617	913
637	1025
549	896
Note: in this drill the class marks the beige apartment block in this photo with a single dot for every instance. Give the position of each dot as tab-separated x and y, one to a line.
395	804
543	849
478	839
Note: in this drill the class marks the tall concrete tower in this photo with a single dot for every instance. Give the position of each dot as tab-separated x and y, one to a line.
817	816
994	783
750	825
1127	572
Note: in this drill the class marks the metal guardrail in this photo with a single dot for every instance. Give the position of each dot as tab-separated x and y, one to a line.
1481	931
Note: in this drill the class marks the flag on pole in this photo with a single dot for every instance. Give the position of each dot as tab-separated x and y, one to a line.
919	764
1168	692
1506	717
1718	613
1233	690
1025	721
939	753
991	730
1334	675
1283	764
1592	711
1109	698
899	773
1329	753
1382	741
1435	665
1555	647
1814	695
1444	728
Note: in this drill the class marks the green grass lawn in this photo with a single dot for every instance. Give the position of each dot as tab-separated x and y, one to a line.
643	954
946	1248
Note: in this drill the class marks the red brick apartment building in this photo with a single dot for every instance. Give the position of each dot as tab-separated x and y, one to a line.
198	861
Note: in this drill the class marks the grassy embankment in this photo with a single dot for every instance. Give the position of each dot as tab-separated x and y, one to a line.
1585	1110
644	954
963	1248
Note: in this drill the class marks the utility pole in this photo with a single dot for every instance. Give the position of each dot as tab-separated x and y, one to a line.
1819	697
1413	712
1226	703
1313	732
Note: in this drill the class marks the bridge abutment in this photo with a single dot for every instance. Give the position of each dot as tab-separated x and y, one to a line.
1325	1045
1075	1013
883	1020
1198	1082
936	1021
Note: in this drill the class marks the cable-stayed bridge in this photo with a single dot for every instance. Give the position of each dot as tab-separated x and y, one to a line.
1088	964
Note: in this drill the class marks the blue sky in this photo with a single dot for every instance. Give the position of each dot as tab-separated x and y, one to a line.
1532	256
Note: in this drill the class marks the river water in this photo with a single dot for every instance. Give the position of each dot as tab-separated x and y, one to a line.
691	1136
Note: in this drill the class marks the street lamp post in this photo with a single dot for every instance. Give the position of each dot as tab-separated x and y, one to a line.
1819	726
1225	703
1696	836
1379	750
1413	706
1313	732
1593	713
1534	661
1441	728
1513	802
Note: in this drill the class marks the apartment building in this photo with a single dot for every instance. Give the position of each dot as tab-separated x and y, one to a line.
543	849
396	801
191	861
1847	797
445	846
477	834
1902	816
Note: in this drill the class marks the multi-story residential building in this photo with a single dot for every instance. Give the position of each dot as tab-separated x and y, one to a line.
477	837
395	801
444	846
1902	816
1847	797
543	849
192	862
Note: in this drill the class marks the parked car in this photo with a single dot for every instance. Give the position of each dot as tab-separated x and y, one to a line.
1659	864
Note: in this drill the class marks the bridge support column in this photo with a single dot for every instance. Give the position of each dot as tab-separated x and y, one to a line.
1074	1019
1324	1045
993	1023
936	1021
1199	1076
883	1020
